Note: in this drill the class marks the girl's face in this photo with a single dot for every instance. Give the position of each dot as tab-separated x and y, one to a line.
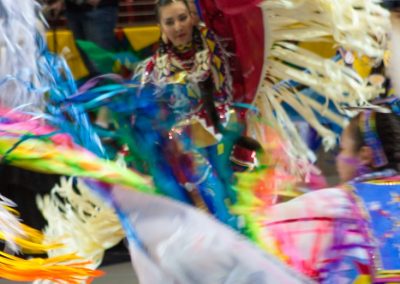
176	23
347	162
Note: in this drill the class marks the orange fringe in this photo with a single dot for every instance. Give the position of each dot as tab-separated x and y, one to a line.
68	268
63	269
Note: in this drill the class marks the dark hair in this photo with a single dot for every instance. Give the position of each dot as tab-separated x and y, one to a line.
391	4
356	134
162	3
388	130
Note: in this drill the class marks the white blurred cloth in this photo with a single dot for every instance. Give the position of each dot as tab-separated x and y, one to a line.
181	245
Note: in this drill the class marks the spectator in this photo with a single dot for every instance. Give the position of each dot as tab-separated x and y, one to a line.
91	20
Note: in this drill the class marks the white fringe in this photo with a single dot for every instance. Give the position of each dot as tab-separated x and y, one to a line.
10	226
80	220
357	25
18	55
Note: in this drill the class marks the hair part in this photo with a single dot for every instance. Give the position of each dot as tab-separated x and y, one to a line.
163	3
